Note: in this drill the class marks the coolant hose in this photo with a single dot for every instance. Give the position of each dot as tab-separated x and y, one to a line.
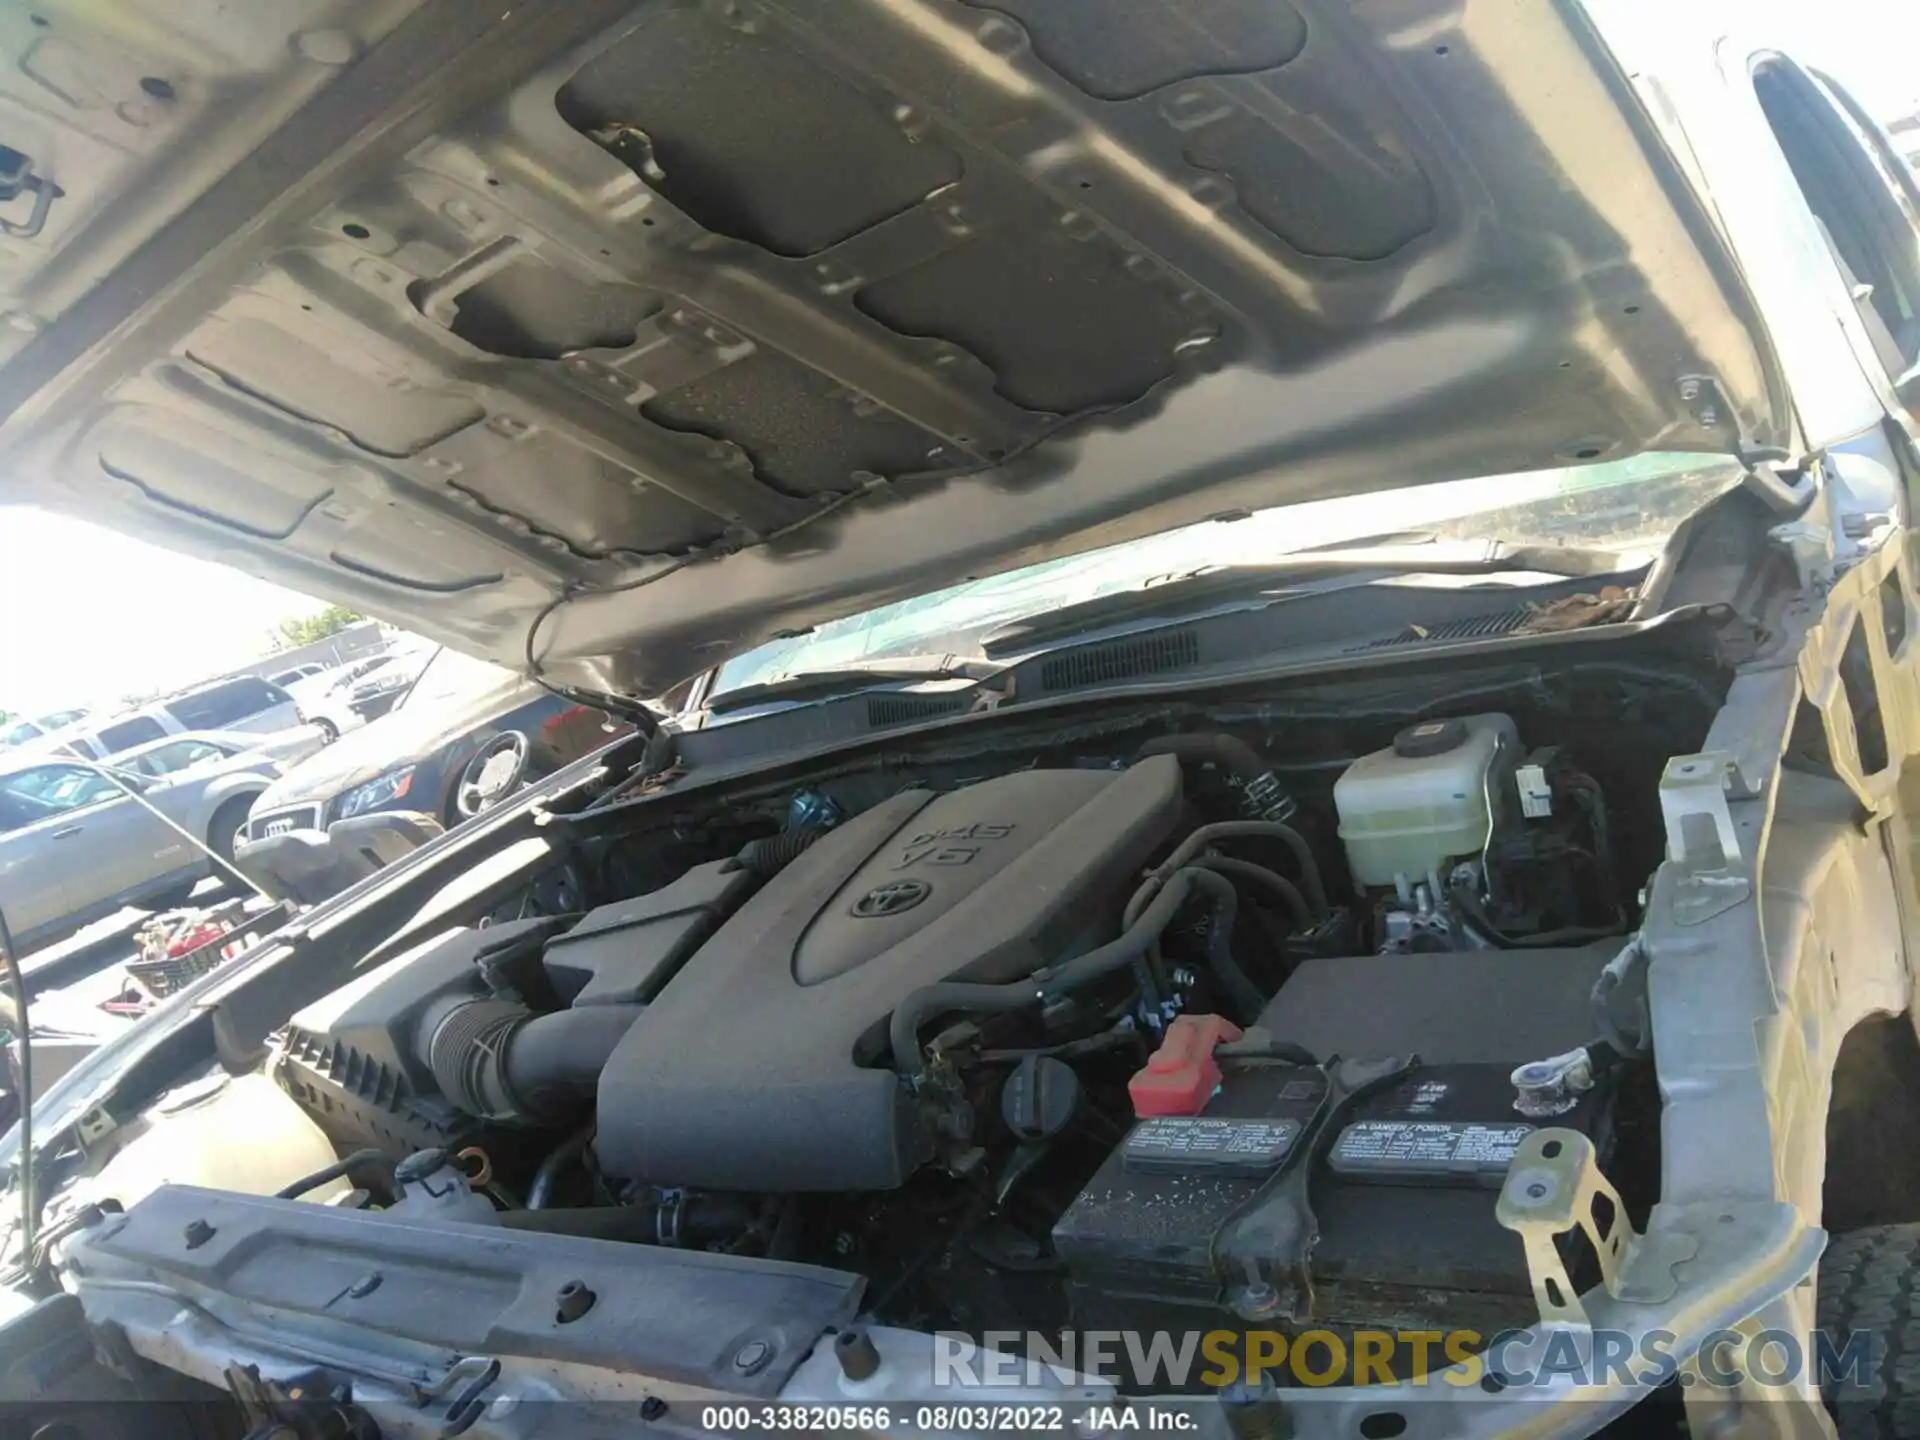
1142	932
359	1160
1277	886
500	1061
695	1220
1240	993
540	1192
1200	839
903	1030
1152	923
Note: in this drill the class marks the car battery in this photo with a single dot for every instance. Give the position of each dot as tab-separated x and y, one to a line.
1403	1184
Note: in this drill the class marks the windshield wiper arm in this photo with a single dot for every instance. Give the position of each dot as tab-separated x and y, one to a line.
840	680
1298	572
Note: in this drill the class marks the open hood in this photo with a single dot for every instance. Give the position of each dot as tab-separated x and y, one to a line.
609	340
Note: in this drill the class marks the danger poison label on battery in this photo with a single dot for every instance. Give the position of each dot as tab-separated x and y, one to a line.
1426	1147
1190	1142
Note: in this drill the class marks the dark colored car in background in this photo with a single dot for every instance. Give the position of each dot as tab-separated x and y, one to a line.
465	736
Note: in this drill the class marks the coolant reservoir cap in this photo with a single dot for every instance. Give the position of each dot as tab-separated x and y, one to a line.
1430	737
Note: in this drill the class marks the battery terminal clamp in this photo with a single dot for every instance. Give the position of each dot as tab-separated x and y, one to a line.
1545	1088
1181	1076
1551	1189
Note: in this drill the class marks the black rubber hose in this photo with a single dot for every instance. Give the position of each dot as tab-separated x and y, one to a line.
1240	993
1205	835
1152	923
903	1030
1227	751
1142	929
1261	793
1569	935
359	1159
702	1218
1260	1047
1142	932
561	1156
770	854
598	1222
1277	886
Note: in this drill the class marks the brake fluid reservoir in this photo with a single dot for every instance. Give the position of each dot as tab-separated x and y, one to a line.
1425	801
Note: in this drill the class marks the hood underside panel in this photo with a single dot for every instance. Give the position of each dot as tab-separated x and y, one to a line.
626	338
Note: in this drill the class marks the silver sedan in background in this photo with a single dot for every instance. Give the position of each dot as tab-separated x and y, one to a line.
76	846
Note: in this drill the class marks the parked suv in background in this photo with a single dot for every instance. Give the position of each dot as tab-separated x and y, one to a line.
24	731
296	673
245	702
75	846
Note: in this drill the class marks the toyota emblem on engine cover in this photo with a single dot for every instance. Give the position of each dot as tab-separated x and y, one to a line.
896	897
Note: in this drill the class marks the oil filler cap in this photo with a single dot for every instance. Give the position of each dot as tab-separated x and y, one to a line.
1430	737
1039	1097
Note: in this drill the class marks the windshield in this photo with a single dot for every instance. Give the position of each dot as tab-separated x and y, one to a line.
450	675
1626	505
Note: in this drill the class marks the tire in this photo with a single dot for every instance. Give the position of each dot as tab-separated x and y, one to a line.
329	732
1870	1281
223	831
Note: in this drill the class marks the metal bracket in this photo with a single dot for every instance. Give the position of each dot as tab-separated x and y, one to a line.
94	1126
1693	803
459	1393
1702	844
1550	1189
1768	467
17	178
1810	543
1551	1186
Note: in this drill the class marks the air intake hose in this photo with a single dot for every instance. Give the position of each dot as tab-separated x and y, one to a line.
501	1061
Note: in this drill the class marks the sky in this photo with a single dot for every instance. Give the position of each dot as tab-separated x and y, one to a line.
89	616
1870	46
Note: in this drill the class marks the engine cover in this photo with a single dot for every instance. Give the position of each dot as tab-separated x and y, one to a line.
750	1070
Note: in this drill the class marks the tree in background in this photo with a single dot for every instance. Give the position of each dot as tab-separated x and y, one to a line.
298	630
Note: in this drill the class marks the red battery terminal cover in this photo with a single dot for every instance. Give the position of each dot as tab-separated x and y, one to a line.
1182	1074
